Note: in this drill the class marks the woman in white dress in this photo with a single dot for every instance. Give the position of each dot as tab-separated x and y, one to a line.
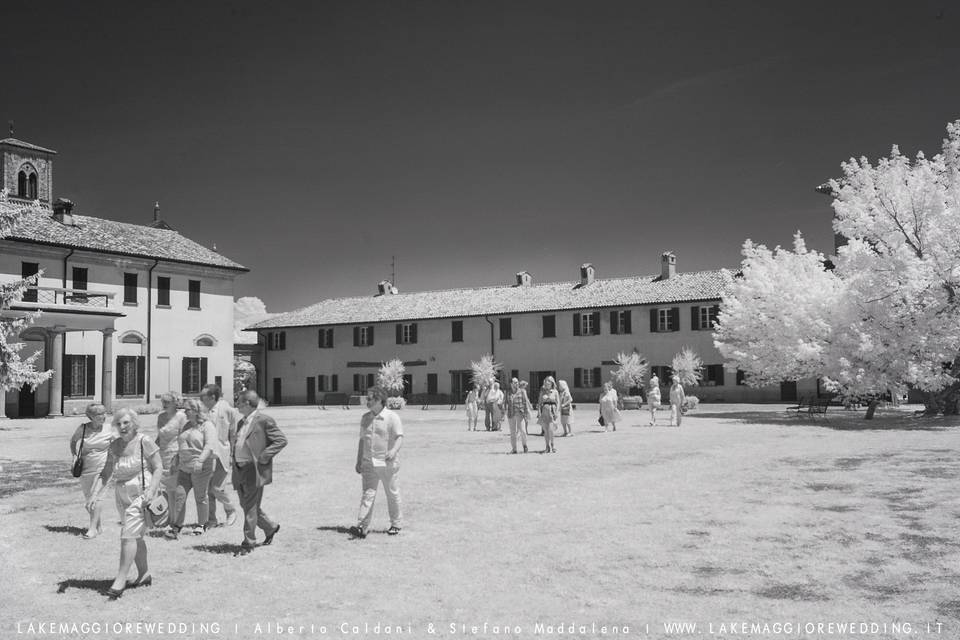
608	407
473	409
91	440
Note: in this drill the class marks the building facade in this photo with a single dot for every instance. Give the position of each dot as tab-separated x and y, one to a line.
127	311
570	330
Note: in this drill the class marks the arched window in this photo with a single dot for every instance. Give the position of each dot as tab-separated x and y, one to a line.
131	337
22	184
32	186
205	341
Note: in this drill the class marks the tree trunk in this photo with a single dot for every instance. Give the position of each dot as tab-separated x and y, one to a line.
872	408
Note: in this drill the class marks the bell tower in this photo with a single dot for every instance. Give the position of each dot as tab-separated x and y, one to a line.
27	170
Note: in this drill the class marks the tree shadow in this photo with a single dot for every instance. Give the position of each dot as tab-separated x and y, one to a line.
69	528
89	584
840	420
224	548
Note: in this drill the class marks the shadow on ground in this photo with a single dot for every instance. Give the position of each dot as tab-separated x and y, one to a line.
84	583
72	530
224	548
839	421
23	475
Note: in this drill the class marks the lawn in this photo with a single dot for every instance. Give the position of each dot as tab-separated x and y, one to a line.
743	515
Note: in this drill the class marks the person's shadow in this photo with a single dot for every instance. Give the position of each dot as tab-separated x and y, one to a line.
337	529
224	548
69	528
90	584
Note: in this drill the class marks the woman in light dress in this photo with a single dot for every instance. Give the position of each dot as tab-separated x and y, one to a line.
92	441
548	407
608	407
473	409
133	461
566	408
653	398
677	398
170	422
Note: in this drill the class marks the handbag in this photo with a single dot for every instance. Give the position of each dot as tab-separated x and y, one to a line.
155	511
601	421
77	470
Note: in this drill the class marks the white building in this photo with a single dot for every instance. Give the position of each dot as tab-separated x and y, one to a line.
128	311
571	330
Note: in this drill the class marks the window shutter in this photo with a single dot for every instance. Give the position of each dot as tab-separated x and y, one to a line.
141	375
203	371
283	344
577	377
269	341
413	333
184	374
356	382
714	312
675	318
118	378
333	382
719	375
596	377
91	375
614	325
596	323
694	318
320	338
626	322
371	380
67	375
356	336
576	324
370	335
653	320
399	333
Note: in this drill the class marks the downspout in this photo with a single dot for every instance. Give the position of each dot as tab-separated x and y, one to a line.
63	343
147	365
490	322
265	378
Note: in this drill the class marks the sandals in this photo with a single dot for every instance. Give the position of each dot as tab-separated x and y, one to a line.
112	594
393	530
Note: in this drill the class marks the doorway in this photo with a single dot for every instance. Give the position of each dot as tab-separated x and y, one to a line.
277	392
27	403
788	391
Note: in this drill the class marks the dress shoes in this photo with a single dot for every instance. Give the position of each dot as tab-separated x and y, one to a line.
269	539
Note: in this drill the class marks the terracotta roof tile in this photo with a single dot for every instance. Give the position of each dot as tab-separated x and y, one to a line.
98	234
453	303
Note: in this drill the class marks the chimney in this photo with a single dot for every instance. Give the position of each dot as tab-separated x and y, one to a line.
524	279
668	265
384	288
587	274
62	211
156	211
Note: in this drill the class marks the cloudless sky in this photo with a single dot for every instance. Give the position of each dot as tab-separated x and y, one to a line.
312	141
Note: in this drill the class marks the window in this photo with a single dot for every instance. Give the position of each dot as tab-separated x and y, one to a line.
131	337
277	341
665	320
363	382
549	326
506	328
432	383
620	322
22	184
741	377
205	341
325	338
321	382
586	377
664	373
311	390
333	382
130	375
194	290
713	376
163	291
702	318
586	324
194	375
28	269
129	288
32	186
407	333
456	331
363	336
79	375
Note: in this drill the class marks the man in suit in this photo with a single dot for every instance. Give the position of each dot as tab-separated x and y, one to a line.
254	443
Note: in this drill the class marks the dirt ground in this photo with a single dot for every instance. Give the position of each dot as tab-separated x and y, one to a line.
743	516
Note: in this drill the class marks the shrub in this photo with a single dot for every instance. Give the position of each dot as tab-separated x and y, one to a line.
690	403
146	409
396	402
390	376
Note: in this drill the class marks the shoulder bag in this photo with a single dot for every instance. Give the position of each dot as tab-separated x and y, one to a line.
156	511
78	463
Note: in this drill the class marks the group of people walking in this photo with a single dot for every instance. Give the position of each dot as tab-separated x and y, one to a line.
554	408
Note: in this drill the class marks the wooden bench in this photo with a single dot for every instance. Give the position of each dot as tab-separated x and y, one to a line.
811	406
341	400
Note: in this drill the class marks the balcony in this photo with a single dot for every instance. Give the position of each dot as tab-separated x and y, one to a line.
46	297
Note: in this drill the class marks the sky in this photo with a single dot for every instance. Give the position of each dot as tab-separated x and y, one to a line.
328	146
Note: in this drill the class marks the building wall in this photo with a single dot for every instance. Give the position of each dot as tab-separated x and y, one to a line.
174	330
14	159
527	351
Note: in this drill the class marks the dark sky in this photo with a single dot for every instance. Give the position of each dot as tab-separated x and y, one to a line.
312	141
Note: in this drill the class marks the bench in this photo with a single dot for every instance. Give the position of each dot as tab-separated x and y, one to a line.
341	400
811	406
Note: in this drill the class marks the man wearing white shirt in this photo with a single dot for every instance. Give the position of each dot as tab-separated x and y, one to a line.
224	418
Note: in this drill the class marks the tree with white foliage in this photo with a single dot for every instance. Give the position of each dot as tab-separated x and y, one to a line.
687	367
390	376
887	317
630	371
14	370
485	371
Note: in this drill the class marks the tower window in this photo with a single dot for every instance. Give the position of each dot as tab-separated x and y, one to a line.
22	184
32	186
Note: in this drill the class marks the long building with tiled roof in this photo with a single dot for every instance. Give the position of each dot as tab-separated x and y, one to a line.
128	311
572	330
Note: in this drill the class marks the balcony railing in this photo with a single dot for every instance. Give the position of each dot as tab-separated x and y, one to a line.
47	296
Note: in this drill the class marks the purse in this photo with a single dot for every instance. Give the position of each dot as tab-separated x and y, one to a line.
601	421
156	511
77	470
